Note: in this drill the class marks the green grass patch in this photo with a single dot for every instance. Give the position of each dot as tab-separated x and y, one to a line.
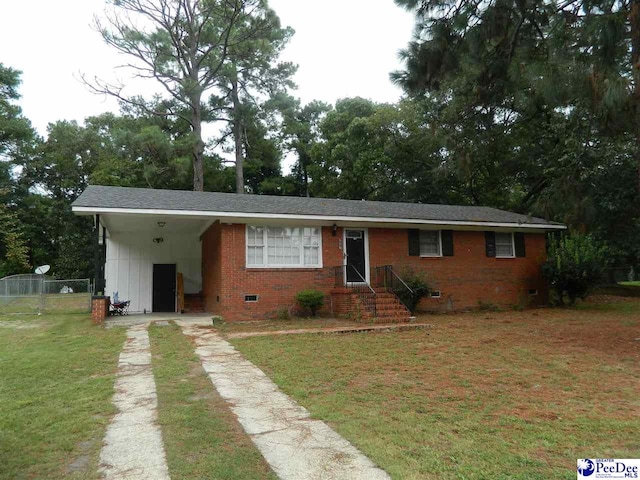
630	284
52	304
518	395
55	395
202	437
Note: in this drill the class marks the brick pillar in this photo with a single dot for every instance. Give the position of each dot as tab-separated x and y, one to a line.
341	301
99	308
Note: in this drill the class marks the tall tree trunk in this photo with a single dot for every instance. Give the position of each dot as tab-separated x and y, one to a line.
237	137
635	63
198	144
304	161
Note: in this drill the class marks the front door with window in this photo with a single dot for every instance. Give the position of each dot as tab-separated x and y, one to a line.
356	256
164	287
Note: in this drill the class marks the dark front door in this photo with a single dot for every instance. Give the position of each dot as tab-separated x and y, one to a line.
164	287
356	257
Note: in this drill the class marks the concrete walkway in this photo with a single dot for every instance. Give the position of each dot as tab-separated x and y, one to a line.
133	447
295	446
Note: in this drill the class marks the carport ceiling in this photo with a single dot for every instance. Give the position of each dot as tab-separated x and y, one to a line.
151	223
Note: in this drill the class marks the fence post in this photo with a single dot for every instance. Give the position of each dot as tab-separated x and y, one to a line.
41	302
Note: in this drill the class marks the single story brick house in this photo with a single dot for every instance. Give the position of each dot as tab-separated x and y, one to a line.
245	257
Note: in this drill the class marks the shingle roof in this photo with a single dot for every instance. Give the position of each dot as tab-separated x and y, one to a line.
101	197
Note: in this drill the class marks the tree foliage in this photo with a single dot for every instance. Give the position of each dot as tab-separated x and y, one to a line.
250	78
13	248
195	49
535	106
575	264
16	141
530	107
15	130
300	133
370	151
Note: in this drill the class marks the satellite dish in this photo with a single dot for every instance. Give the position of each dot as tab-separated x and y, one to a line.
42	269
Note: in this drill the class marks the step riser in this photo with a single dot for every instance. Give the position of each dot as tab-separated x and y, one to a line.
390	306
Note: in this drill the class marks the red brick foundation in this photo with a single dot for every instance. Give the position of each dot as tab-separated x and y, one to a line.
99	309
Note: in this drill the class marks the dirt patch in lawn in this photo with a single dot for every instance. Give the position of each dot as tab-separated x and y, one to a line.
590	327
594	350
19	325
290	324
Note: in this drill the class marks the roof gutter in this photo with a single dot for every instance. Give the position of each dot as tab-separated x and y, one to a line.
327	218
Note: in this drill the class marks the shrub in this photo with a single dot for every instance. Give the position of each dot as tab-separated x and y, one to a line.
283	314
311	300
416	282
575	263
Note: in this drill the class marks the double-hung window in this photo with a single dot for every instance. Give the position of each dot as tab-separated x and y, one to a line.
284	247
430	244
504	245
255	245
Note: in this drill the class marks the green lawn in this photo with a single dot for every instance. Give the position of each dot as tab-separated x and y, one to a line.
52	304
201	435
630	284
518	395
57	375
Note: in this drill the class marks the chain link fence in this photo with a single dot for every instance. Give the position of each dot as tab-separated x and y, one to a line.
36	294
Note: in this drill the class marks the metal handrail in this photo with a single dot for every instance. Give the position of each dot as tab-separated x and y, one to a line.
388	279
400	279
364	281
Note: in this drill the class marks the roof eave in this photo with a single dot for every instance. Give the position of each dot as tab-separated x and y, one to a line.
83	210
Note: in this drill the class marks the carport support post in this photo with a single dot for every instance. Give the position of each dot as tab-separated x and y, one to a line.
99	283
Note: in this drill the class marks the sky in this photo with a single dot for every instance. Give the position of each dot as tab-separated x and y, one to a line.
344	48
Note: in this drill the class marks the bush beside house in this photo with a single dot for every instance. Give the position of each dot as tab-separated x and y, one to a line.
575	263
311	300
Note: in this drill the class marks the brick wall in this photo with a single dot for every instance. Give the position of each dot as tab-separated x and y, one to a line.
465	280
469	277
224	259
341	301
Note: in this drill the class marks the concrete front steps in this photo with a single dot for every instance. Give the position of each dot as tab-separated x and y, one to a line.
389	309
194	303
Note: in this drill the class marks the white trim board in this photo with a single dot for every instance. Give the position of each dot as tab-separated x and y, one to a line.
367	266
265	254
422	255
513	245
319	218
